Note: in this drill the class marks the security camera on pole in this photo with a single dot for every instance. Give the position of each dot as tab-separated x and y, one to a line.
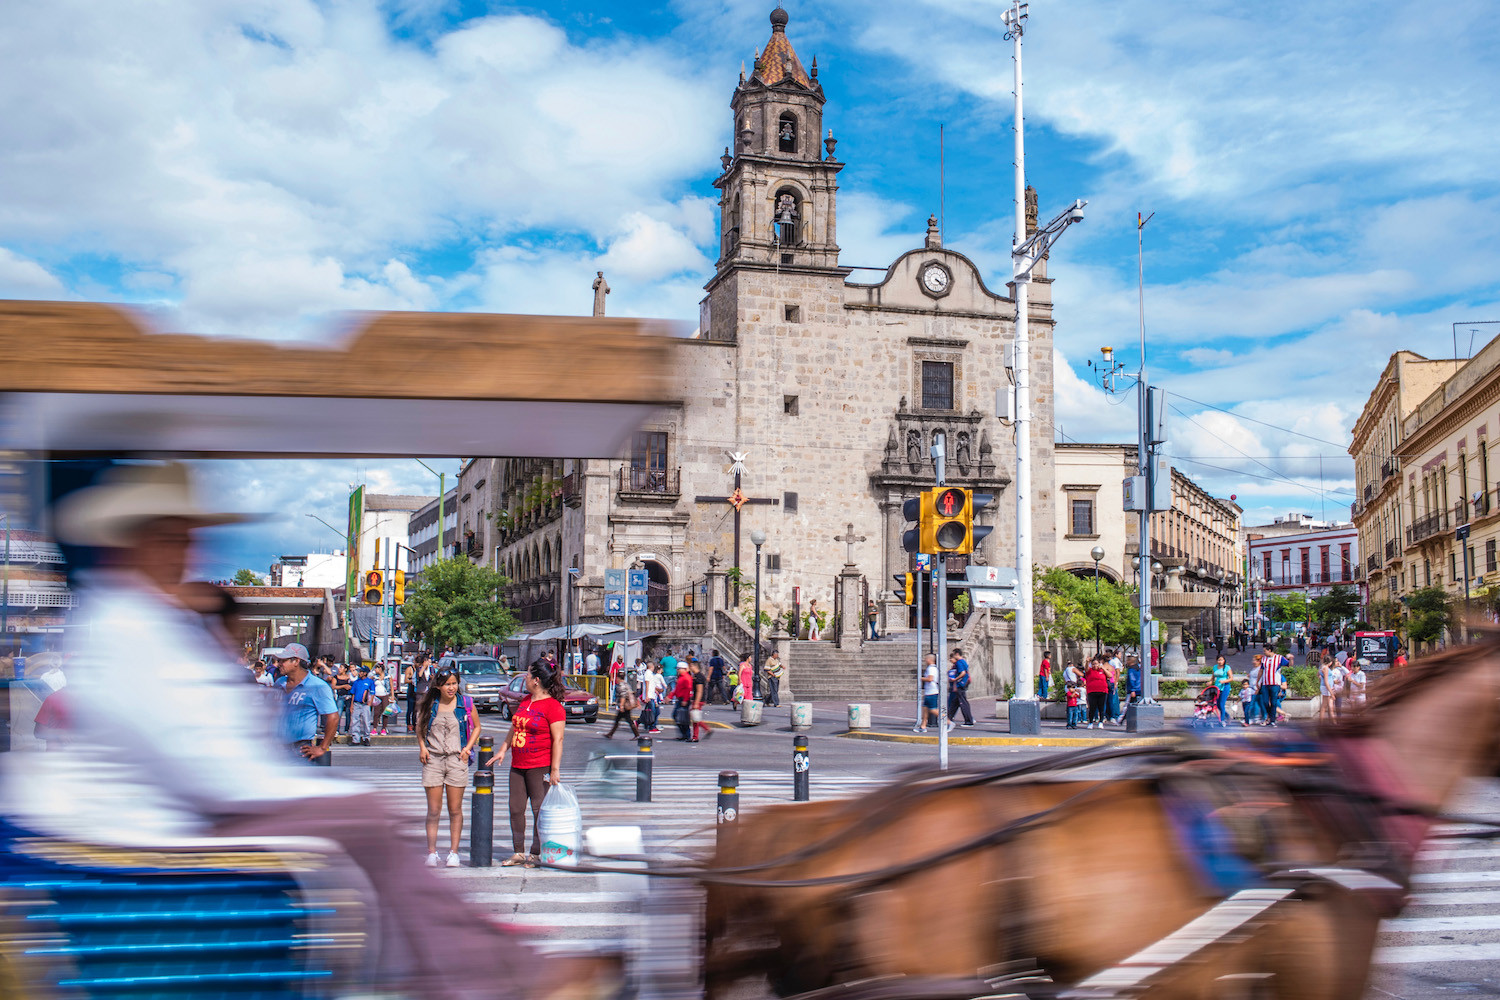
1026	253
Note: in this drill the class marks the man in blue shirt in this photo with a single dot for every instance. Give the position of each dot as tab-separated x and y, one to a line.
360	693
958	689
310	716
716	677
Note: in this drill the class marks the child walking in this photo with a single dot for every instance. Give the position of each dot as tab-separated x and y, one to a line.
1075	707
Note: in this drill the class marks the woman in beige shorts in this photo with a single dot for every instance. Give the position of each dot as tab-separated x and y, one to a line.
448	728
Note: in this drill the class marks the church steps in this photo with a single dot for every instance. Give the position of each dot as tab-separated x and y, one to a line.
878	671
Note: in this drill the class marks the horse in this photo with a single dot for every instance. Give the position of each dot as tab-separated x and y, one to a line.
941	877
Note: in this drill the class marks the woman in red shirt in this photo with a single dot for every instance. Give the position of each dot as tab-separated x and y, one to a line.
535	746
1096	685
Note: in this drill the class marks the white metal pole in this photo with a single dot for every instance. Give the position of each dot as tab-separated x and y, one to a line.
1143	453
920	585
941	624
1023	670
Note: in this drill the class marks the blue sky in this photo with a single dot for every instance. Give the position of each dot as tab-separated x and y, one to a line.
1322	173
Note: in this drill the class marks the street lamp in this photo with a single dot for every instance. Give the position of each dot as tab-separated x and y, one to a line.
1098	553
757	538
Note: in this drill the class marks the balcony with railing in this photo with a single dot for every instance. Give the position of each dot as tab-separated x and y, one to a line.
1388	468
1423	528
1372	563
649	485
1392	551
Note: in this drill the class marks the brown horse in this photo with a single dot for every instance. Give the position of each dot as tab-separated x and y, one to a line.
1101	877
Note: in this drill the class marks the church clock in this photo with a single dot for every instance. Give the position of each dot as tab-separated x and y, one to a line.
936	279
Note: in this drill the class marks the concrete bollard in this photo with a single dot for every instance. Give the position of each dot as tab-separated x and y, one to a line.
801	715
729	800
750	712
643	764
859	716
801	770
486	752
482	820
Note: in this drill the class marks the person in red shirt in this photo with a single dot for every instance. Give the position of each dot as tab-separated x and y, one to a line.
535	747
1096	687
682	696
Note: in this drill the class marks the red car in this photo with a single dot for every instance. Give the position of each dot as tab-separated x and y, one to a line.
578	703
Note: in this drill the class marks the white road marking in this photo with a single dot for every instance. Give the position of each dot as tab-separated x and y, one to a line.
1426	954
1421	925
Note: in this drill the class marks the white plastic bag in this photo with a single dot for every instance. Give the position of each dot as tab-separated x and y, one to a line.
560	826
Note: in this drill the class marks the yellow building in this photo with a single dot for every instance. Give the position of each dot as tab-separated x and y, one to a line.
1422	470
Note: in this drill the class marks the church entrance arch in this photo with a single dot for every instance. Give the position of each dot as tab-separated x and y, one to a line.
658	587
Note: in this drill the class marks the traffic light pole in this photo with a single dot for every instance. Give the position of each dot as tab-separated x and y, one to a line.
940	609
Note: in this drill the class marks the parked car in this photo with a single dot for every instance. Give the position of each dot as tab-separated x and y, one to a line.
577	703
481	677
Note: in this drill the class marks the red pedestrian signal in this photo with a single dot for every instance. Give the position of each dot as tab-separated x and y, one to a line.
951	502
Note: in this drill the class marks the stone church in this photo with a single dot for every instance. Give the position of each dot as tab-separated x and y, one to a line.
824	392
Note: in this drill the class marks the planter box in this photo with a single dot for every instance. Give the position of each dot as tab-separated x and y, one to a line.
1175	708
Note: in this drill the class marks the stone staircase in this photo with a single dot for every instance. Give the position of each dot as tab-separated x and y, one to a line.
879	671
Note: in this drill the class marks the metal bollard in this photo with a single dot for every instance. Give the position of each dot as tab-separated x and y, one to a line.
482	820
643	769
729	799
801	769
486	752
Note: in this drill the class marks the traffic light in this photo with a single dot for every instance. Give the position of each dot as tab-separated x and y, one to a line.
398	586
374	587
978	532
911	510
946	519
908	584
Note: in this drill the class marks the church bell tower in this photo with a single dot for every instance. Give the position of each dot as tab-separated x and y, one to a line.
779	185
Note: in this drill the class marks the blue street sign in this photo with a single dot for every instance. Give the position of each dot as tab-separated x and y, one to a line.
614	604
637	581
637	604
614	580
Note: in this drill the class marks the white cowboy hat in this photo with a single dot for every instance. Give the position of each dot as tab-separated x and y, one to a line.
108	513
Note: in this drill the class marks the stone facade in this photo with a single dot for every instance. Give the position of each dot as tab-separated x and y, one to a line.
831	391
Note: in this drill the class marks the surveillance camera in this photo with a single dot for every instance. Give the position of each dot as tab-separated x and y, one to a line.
1076	215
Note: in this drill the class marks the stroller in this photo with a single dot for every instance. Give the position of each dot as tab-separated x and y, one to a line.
1206	707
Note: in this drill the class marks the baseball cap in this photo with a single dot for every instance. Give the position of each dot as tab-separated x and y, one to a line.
295	651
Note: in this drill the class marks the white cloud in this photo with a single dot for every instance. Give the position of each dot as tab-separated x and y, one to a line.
279	159
21	278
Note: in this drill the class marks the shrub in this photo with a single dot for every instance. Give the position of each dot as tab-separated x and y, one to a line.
1301	682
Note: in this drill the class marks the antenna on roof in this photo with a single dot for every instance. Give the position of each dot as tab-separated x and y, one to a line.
942	185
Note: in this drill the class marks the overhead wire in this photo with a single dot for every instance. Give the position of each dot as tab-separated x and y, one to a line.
1274	472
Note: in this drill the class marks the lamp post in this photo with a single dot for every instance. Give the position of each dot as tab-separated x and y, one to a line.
1098	553
5	589
757	538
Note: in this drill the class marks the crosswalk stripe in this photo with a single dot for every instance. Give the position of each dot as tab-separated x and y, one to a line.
1424	954
1419	925
1455	878
1458	898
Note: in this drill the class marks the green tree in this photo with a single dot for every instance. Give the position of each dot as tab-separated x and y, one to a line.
1430	613
1289	607
247	578
1338	605
1055	611
1111	608
456	603
1384	614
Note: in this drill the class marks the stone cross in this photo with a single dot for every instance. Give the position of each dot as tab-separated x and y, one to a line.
601	289
849	538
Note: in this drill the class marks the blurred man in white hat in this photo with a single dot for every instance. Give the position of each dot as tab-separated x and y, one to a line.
171	741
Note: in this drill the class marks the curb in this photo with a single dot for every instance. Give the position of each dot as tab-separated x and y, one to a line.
1005	741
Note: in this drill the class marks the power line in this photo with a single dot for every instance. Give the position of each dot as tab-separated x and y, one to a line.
1263	465
1253	475
1275	427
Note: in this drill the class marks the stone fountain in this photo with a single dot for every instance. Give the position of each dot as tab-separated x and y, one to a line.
1174	608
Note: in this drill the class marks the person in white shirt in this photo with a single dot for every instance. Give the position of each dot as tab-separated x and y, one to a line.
591	662
1356	681
929	694
652	688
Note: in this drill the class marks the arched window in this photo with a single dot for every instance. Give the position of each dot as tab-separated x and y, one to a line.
787	217
786	133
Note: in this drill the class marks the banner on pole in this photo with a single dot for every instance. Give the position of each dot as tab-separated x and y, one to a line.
351	543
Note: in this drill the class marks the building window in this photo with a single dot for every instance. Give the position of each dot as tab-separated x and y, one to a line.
789	405
1324	555
1083	517
649	450
1266	575
773	562
789	502
1453	565
1489	556
793	314
1427	572
1286	566
1306	565
1344	566
937	385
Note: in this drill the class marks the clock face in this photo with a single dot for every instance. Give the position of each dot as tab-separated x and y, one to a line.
935	279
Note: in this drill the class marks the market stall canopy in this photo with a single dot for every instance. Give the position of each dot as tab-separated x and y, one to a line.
84	378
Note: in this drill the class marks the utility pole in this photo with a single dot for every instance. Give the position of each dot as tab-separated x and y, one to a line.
1027	250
